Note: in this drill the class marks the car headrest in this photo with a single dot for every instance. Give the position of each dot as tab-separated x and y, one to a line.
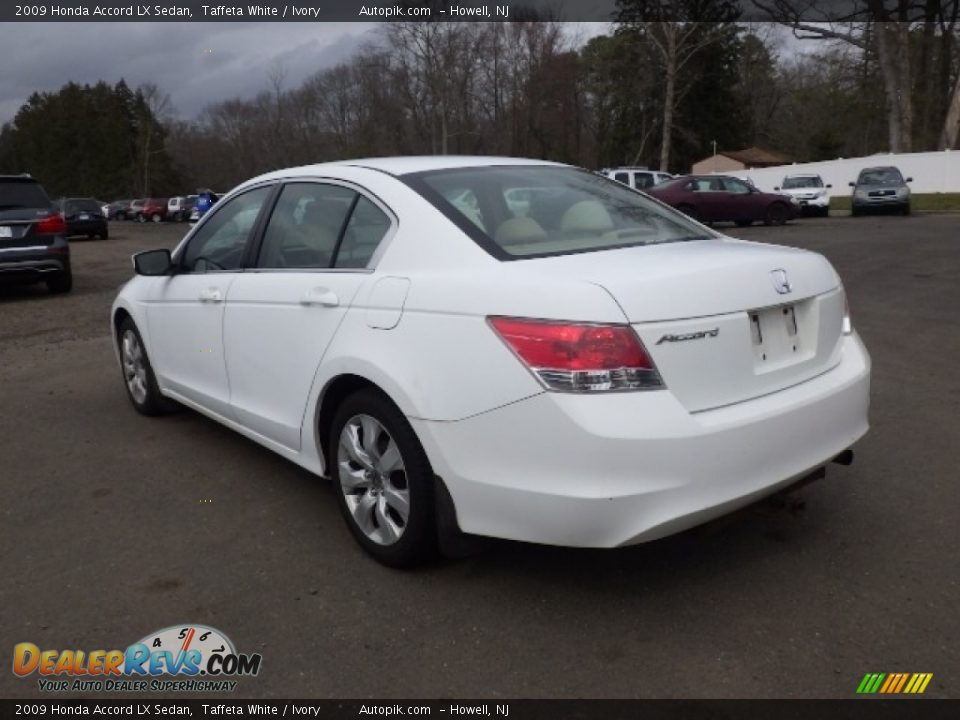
519	230
586	216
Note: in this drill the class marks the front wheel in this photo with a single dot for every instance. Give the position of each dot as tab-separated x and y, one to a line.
776	214
156	217
383	481
744	223
905	210
138	377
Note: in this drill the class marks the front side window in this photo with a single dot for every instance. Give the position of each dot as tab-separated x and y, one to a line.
306	225
561	210
219	243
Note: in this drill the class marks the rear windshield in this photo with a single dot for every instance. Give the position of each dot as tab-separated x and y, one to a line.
16	194
83	206
517	211
886	176
792	183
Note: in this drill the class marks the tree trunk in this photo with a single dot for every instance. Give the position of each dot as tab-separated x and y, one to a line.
893	52
951	125
669	100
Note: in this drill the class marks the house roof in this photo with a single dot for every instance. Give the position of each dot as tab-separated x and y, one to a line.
756	156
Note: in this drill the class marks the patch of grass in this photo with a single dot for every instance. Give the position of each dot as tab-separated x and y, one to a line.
925	202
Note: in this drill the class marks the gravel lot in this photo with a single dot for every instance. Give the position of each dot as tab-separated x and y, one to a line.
114	525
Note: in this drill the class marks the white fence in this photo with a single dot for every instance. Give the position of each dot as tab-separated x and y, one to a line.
932	172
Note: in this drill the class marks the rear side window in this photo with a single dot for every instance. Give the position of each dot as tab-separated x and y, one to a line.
367	226
523	211
306	226
15	194
642	180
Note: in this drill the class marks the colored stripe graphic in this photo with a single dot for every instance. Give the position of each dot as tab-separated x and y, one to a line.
894	683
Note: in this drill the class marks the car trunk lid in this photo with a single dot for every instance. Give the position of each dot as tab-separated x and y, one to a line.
724	320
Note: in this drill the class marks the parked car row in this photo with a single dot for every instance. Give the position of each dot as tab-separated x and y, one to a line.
176	209
717	198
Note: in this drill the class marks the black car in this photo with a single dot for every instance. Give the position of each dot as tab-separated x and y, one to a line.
84	216
119	210
33	241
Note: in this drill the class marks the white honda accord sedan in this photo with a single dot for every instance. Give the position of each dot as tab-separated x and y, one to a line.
498	347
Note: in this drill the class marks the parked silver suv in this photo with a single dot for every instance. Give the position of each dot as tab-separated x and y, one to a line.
880	187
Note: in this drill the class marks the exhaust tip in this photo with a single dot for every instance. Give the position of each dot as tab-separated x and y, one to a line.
844	458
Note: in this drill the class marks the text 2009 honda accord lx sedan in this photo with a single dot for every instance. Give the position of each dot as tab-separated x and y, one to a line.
498	347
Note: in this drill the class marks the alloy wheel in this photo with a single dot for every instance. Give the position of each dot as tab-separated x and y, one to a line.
373	479
134	366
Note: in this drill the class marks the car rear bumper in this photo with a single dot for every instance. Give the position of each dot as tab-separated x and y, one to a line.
617	469
34	263
86	227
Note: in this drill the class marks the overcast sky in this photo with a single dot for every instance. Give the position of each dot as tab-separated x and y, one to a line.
196	63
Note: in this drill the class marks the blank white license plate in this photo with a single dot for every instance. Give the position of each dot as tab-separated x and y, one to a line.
776	336
6	231
84	216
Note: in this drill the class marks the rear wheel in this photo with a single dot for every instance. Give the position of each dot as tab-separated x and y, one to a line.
141	218
776	214
855	211
138	377
383	480
60	283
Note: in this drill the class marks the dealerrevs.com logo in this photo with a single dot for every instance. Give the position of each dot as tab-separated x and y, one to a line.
181	658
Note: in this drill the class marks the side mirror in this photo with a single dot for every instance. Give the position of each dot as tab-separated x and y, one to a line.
852	184
909	179
153	262
777	189
829	186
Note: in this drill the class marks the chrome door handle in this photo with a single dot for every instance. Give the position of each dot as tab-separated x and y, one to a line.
211	295
320	296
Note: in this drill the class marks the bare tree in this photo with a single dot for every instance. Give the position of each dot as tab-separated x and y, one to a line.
157	110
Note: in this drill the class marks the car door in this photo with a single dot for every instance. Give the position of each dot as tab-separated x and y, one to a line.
740	200
710	197
281	315
185	310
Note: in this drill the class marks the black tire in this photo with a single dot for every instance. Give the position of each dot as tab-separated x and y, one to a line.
152	403
141	218
905	210
60	283
417	543
825	212
855	211
156	217
776	214
689	210
744	223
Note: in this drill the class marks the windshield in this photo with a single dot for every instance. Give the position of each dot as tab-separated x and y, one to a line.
792	183
521	211
884	176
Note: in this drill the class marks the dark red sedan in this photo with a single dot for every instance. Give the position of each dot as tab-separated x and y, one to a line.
715	198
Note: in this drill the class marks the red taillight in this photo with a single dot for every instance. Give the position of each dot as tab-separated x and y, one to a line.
51	225
580	357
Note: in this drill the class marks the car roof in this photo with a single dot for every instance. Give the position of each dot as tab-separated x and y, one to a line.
800	175
881	167
405	165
